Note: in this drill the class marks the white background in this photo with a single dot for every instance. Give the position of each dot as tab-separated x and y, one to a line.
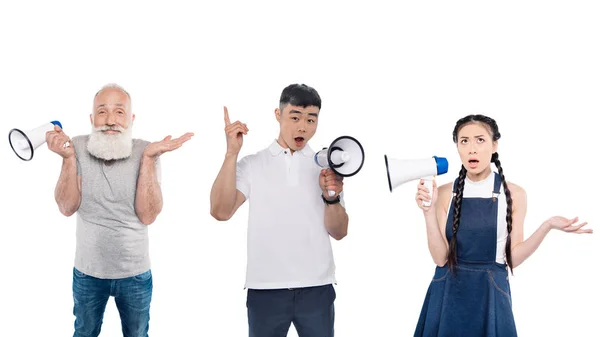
396	77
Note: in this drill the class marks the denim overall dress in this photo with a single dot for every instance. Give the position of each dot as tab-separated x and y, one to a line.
475	299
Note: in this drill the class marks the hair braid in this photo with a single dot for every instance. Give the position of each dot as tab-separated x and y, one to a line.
509	204
460	186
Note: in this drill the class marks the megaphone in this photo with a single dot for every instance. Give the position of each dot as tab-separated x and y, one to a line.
24	143
345	156
400	171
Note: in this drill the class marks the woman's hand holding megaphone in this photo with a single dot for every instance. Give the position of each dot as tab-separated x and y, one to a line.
59	142
234	133
424	194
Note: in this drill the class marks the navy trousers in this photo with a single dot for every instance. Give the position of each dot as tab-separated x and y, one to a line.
311	310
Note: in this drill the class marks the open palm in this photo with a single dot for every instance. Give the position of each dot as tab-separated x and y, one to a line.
166	145
568	225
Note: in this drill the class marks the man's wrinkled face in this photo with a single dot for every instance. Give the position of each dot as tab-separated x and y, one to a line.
112	122
112	111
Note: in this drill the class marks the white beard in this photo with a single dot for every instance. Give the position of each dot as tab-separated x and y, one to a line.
110	146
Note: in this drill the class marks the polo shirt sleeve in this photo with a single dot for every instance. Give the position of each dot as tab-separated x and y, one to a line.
242	176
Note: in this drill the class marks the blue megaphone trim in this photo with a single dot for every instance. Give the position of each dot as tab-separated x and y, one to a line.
442	164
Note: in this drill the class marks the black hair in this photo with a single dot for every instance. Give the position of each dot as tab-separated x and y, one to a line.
493	128
299	95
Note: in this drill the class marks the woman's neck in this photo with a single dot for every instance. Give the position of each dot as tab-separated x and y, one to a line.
479	176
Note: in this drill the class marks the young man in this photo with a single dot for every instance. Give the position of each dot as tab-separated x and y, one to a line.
291	270
112	181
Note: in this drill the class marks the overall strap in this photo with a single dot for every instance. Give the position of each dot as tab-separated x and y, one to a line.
454	187
497	185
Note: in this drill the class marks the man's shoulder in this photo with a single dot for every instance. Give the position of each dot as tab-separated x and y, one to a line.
253	156
140	142
80	138
139	145
80	142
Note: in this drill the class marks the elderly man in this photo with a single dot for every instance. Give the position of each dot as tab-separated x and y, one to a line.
112	182
291	271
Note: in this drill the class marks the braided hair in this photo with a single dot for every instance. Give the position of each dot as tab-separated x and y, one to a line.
493	127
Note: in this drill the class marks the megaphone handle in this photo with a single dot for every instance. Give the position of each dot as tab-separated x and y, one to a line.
428	182
331	193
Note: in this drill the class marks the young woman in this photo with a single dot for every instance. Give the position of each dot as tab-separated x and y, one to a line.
475	235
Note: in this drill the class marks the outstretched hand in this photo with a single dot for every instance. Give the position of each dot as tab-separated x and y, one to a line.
568	225
156	149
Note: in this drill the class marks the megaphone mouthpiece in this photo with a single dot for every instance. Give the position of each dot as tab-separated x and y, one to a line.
339	157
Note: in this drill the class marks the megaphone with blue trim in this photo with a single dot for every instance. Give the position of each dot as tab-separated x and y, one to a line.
400	171
24	143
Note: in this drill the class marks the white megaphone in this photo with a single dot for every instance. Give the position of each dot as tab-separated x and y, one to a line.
345	156
24	143
401	171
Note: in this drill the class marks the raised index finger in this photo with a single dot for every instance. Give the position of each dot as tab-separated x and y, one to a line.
227	121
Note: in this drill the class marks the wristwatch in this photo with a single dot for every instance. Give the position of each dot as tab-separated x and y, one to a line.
331	202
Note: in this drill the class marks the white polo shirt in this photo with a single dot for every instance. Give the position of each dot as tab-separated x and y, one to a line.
288	244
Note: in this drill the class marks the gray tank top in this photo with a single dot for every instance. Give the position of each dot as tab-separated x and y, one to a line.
111	242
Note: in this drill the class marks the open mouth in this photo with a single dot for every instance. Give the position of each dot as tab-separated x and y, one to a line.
473	163
299	141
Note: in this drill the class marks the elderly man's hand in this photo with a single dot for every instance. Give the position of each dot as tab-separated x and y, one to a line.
59	142
156	149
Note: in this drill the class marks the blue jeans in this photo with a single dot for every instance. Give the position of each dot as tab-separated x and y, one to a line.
132	297
311	309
